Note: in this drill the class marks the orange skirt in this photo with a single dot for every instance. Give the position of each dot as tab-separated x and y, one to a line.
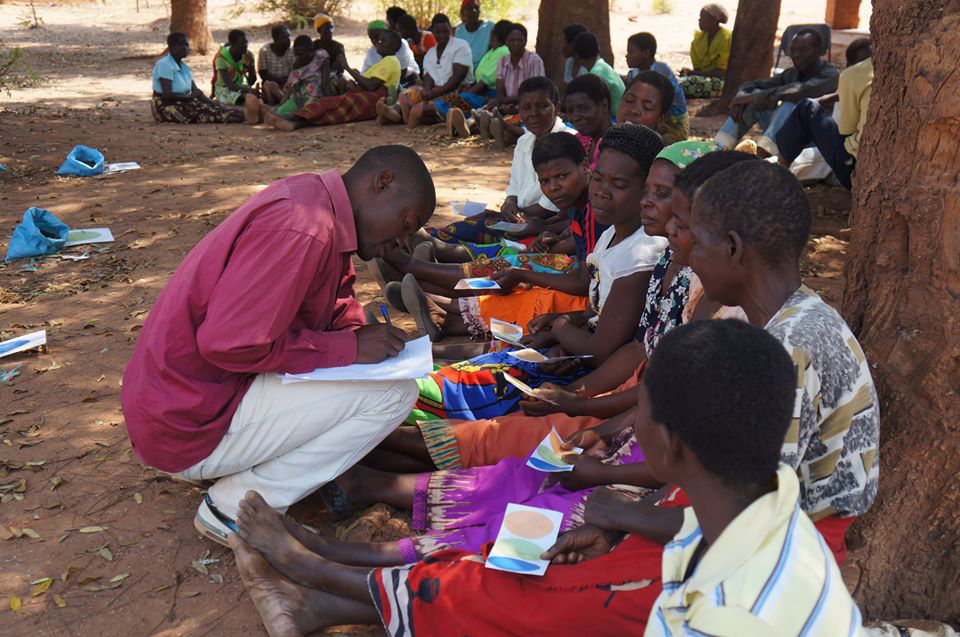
519	307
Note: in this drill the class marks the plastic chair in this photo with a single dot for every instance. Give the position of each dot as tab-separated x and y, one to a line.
791	32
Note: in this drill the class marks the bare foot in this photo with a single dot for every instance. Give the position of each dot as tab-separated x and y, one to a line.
272	119
284	607
260	526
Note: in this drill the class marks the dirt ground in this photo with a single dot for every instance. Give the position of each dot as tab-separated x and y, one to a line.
116	538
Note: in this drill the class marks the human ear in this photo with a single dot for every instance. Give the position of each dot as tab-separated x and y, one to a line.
735	246
384	179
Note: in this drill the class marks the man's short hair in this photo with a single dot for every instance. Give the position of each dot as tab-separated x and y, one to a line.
571	31
558	146
813	33
763	203
586	46
411	174
856	50
539	83
175	38
700	170
643	42
664	86
726	390
278	29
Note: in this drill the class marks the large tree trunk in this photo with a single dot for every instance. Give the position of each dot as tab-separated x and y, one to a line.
751	55
556	14
903	286
190	17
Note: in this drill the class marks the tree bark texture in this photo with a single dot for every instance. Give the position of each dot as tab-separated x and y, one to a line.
902	298
190	17
556	14
751	54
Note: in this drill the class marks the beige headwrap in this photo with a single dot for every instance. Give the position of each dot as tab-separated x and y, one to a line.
717	12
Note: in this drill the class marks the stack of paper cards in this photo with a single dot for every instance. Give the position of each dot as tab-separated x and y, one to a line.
548	456
23	343
479	283
516	245
533	356
525	388
90	235
468	208
506	226
525	534
506	332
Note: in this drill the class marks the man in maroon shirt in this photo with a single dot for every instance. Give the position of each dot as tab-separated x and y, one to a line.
270	291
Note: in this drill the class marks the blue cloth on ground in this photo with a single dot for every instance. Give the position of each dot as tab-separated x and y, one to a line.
82	161
39	233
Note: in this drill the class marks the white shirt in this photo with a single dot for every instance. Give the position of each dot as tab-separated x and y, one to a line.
456	52
405	56
637	253
524	183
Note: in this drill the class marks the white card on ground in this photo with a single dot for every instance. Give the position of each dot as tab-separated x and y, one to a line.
468	208
525	534
525	388
415	361
88	235
516	245
533	356
23	343
506	332
548	456
120	167
507	226
477	283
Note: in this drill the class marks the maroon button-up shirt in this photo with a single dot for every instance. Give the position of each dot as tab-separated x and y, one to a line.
269	290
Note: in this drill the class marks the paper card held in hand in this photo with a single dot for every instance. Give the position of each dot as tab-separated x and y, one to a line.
525	534
506	226
479	283
525	388
415	361
23	343
515	245
533	356
548	456
506	332
90	235
468	208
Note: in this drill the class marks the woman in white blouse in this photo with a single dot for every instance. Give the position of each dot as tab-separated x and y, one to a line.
446	67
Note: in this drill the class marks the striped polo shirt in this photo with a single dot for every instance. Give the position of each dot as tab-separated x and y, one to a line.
768	574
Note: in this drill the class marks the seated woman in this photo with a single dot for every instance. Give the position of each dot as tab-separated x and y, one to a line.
419	41
750	223
358	103
235	74
709	55
176	97
308	80
586	104
446	67
410	68
485	72
335	51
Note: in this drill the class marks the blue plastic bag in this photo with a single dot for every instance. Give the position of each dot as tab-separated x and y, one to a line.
38	234
82	162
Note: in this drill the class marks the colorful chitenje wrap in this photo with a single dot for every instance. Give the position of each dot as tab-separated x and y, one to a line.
353	106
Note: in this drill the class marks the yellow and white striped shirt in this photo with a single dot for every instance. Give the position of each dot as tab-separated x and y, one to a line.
768	574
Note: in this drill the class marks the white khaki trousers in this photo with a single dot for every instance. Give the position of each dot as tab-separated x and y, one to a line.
286	441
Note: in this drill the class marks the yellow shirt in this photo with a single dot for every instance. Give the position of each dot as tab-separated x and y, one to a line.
706	55
854	91
388	70
769	574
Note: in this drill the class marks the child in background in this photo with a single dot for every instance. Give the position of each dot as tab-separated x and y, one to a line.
570	32
408	64
419	41
641	56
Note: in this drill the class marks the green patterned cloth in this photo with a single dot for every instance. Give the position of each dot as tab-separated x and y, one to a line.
682	154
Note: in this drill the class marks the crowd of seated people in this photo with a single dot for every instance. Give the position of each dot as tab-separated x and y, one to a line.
659	275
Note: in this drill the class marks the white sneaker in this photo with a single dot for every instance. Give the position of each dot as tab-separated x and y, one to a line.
212	523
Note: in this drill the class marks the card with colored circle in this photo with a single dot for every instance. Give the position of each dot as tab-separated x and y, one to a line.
506	226
23	343
478	283
468	208
89	235
506	332
525	534
548	456
525	388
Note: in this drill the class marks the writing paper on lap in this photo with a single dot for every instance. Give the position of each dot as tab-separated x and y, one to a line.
415	361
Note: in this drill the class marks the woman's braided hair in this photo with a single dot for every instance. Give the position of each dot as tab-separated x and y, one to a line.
636	141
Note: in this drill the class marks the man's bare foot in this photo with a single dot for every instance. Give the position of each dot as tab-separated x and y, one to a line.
260	526
284	607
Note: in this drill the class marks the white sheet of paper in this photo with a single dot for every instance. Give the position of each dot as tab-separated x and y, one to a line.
533	356
506	226
22	343
468	208
120	167
525	534
415	361
88	235
547	456
525	388
516	245
75	257
506	332
477	283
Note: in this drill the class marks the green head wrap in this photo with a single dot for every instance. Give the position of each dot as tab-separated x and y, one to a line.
682	154
377	24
